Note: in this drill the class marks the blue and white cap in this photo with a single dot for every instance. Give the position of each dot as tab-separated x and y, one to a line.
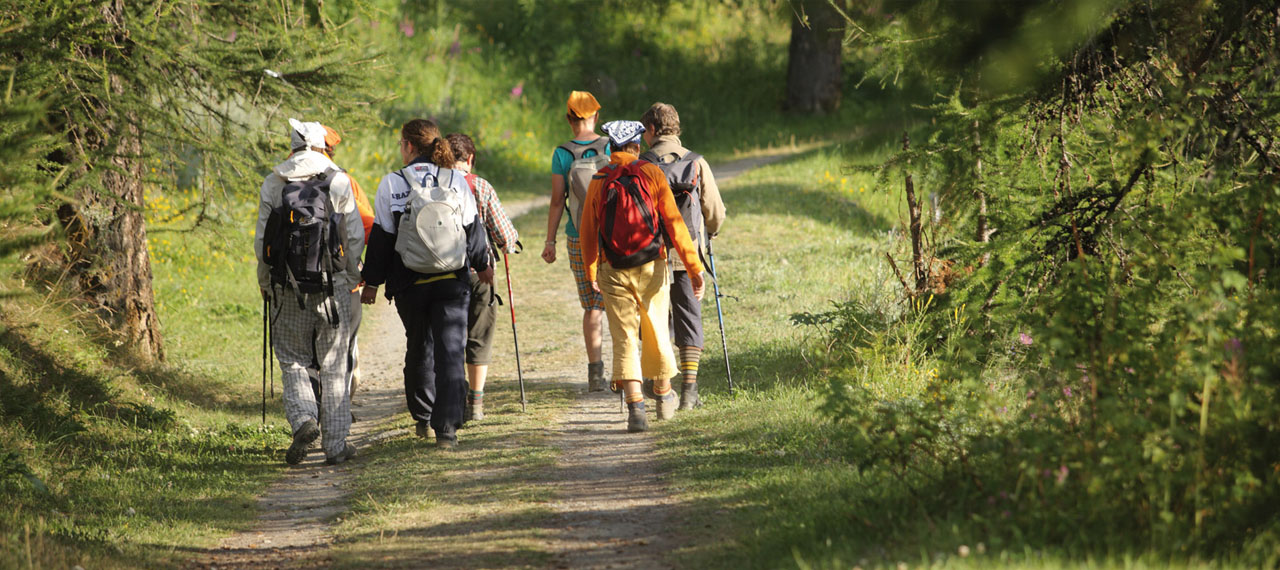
623	132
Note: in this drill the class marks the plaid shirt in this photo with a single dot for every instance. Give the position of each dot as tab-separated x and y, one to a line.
501	232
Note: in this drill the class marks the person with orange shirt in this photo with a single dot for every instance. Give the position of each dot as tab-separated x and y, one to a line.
635	287
331	140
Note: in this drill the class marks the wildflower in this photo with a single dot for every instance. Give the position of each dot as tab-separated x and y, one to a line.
1234	347
1066	391
1062	474
517	91
1025	339
406	28
963	551
455	48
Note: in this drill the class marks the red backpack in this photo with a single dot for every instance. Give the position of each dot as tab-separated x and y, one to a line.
630	227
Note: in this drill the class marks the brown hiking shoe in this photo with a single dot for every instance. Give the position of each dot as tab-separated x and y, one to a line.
636	420
348	452
667	404
595	377
301	442
475	408
689	396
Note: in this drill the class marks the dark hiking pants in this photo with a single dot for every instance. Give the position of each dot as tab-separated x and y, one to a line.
435	327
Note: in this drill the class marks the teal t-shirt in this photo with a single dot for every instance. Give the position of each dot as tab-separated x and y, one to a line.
561	159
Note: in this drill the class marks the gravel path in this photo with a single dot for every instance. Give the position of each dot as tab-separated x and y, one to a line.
614	508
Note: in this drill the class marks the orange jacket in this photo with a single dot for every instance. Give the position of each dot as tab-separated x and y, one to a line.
366	209
667	209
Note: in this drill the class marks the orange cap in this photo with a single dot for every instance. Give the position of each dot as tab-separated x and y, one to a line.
331	137
583	104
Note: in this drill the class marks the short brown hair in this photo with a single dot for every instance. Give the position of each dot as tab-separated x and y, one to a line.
661	119
462	145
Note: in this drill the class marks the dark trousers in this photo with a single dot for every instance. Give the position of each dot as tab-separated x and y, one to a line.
435	327
686	312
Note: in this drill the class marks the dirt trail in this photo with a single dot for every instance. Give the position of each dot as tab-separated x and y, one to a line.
297	512
613	510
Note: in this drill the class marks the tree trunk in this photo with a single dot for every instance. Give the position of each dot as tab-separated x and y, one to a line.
105	226
913	211
814	67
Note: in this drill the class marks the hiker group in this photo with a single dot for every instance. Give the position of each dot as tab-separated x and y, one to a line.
431	240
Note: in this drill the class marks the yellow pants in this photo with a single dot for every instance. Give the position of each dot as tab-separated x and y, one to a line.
637	301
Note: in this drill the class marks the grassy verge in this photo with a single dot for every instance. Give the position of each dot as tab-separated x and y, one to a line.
769	479
136	464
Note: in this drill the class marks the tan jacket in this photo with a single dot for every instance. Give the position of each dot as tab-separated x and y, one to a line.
713	211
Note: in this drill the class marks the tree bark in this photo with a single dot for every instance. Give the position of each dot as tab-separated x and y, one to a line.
914	212
106	227
815	59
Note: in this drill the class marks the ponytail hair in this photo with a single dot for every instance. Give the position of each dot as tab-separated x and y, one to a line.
424	136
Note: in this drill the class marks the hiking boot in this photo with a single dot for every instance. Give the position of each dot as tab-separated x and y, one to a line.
348	452
667	404
301	441
446	439
422	430
595	377
689	396
475	408
636	420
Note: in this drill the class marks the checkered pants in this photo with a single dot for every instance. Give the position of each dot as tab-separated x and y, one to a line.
301	336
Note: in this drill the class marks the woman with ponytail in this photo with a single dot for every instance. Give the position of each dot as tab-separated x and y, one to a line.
432	306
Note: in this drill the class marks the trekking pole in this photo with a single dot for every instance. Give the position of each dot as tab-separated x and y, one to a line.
511	302
715	285
266	330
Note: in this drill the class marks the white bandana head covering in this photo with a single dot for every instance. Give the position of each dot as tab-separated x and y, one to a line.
306	134
623	132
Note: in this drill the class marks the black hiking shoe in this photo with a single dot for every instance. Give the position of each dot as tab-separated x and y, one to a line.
348	452
301	441
689	396
475	408
595	377
636	420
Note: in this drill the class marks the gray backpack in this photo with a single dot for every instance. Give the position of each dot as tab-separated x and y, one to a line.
581	170
685	180
431	237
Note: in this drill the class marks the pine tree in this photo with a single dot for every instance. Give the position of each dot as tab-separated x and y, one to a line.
123	87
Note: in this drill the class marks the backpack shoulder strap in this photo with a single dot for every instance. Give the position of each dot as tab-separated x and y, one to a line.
600	145
412	181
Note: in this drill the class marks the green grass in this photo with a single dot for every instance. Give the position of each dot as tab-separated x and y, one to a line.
769	479
481	505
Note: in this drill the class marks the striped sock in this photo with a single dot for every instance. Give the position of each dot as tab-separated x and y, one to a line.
477	394
661	387
631	390
689	357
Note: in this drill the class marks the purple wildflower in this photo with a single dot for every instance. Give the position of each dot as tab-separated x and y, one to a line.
517	91
1066	391
455	48
406	28
1234	347
1025	339
1062	474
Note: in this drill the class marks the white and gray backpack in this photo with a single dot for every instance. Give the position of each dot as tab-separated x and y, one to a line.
430	237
